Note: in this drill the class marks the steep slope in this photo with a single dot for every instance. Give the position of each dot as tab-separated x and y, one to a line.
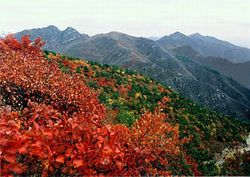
238	71
207	46
188	51
215	90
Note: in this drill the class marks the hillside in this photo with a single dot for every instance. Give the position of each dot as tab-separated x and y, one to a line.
238	71
192	79
124	117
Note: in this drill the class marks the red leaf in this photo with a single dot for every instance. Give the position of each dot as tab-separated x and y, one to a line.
60	159
23	148
3	141
17	169
10	158
117	150
120	164
69	152
107	150
78	162
11	150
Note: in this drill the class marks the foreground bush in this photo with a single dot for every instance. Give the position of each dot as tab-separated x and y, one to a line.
51	124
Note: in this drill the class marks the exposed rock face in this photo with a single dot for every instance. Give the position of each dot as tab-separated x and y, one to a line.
55	39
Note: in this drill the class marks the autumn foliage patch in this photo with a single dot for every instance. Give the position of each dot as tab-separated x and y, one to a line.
51	123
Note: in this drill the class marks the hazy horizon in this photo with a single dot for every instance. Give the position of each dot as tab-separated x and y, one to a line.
227	20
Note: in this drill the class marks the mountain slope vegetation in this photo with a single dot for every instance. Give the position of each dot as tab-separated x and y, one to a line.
61	115
192	79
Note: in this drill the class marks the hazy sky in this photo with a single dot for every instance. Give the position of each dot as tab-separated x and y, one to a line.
225	19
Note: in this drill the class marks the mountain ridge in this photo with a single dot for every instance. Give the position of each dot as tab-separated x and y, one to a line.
236	71
207	46
60	38
189	77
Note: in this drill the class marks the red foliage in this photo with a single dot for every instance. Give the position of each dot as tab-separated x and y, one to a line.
193	164
54	123
57	141
104	82
34	73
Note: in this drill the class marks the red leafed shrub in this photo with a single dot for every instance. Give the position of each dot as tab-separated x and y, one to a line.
40	139
51	123
43	81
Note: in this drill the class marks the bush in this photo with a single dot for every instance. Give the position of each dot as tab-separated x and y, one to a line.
52	124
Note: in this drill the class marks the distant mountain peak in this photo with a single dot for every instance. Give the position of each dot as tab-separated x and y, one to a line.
154	38
116	33
178	35
210	39
70	34
55	38
196	35
70	29
51	27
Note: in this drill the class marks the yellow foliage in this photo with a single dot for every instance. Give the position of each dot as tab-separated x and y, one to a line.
137	95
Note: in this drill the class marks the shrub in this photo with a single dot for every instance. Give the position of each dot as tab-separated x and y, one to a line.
51	123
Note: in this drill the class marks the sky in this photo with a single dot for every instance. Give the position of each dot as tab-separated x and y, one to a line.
224	19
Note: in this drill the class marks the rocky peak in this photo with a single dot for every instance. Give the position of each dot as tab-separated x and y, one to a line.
50	28
70	34
178	35
196	35
70	31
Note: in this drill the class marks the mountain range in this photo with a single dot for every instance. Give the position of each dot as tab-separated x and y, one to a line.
55	39
189	64
207	46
